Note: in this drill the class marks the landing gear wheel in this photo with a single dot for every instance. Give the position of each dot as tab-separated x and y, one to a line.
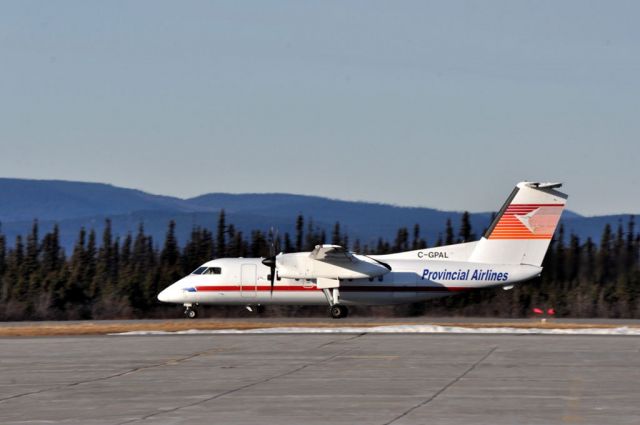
190	313
338	311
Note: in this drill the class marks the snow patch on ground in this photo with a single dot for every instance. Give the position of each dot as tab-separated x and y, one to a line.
427	329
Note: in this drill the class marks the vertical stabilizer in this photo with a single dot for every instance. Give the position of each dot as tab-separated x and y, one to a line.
522	230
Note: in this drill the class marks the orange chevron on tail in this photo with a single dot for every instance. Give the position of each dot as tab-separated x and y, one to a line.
527	221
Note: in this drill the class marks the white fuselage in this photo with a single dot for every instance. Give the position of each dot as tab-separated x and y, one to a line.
246	281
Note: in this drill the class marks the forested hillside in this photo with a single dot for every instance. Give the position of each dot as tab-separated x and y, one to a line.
111	277
73	205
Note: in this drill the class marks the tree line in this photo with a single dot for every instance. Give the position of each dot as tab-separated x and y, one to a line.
108	277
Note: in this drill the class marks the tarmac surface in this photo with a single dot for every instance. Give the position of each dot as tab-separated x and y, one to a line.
321	379
377	321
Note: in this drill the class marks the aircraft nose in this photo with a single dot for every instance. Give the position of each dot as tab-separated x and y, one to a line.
164	295
169	294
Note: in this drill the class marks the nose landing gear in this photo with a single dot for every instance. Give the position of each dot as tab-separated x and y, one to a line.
190	311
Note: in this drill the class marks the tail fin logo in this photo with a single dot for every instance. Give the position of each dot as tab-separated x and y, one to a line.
528	221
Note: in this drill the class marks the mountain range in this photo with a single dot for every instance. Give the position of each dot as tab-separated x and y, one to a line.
73	205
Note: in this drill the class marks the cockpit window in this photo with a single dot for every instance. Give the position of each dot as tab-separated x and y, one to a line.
207	270
213	270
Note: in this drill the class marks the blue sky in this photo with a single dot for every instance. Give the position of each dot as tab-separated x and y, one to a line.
441	104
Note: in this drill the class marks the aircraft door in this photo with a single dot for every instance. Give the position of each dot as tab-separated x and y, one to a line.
248	283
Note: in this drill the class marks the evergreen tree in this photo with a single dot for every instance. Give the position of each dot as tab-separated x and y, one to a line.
221	241
206	249
574	258
313	236
51	266
288	246
4	290
90	262
125	252
137	281
103	282
382	247
259	245
299	232
466	235
448	231
604	255
418	242
170	266
52	253
589	265
336	236
402	240
198	249
170	252
631	254
30	267
619	250
15	274
75	293
231	250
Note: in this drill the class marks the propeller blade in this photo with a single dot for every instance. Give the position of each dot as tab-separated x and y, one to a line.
273	251
271	263
272	244
273	278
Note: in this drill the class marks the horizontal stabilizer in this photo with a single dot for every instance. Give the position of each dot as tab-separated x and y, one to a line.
545	185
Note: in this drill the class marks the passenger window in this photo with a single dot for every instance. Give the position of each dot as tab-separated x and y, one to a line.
199	270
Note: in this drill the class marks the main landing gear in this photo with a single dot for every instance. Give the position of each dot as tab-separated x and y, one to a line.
190	311
336	310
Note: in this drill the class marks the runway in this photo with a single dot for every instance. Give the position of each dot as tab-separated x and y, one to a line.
320	379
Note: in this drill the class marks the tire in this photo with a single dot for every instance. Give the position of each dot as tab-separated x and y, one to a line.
338	311
191	313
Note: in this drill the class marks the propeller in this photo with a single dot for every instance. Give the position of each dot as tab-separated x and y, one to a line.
270	261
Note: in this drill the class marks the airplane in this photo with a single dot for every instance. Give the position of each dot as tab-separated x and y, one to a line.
511	251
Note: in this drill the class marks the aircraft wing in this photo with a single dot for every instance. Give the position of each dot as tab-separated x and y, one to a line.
329	264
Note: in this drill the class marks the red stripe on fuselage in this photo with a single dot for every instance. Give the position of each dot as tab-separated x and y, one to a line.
363	288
